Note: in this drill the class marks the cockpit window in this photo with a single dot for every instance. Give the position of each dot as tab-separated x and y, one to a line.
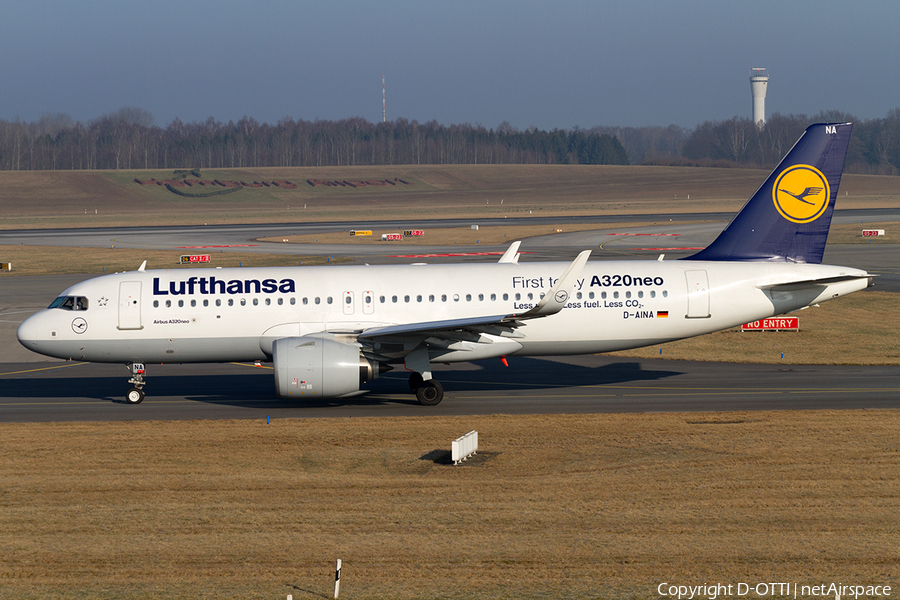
70	303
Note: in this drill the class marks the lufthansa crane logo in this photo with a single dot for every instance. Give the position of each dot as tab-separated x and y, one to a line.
801	193
79	325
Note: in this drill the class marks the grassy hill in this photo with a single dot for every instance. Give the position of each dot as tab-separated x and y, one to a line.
112	198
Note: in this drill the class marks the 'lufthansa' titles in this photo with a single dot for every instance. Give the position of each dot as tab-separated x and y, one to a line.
211	285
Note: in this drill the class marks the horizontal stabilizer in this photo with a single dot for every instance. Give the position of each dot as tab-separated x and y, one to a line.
799	285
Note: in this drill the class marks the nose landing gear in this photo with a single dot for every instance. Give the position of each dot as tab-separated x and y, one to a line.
136	394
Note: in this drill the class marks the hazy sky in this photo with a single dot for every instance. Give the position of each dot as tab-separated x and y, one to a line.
548	64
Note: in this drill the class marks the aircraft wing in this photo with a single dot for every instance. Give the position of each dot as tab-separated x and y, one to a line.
435	327
470	329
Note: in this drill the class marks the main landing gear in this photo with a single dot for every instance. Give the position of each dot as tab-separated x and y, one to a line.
428	392
136	394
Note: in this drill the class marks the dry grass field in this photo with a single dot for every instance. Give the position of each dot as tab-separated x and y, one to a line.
583	506
112	198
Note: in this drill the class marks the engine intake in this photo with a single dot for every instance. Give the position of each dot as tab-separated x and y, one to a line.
311	366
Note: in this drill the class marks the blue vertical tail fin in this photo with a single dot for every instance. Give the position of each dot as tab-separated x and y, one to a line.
787	219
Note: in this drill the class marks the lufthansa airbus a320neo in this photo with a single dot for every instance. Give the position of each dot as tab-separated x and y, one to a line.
330	329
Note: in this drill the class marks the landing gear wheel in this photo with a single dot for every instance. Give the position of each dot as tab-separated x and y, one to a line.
134	396
415	380
430	393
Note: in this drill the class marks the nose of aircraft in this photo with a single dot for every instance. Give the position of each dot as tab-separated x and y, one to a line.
29	332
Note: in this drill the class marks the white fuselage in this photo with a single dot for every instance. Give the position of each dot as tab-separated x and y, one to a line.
218	315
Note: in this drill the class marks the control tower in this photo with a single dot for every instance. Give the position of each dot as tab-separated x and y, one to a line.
759	80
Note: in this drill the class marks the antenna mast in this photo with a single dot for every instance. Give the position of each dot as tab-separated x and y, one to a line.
383	111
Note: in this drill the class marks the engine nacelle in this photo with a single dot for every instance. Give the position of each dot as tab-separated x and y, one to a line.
310	366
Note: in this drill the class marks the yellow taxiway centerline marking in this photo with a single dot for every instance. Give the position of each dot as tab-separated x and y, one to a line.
44	369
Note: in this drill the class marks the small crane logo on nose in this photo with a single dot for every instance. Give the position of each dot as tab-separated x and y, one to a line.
79	325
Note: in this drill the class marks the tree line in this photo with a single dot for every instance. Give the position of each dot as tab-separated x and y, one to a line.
129	139
874	146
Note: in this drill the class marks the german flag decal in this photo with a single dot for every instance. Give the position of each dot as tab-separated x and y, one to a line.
662	314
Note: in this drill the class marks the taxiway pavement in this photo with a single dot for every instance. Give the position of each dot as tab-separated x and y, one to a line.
59	391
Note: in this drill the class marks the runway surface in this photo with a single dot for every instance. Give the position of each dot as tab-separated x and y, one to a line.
33	389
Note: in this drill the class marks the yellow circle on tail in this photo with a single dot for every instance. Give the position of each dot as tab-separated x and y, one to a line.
801	193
